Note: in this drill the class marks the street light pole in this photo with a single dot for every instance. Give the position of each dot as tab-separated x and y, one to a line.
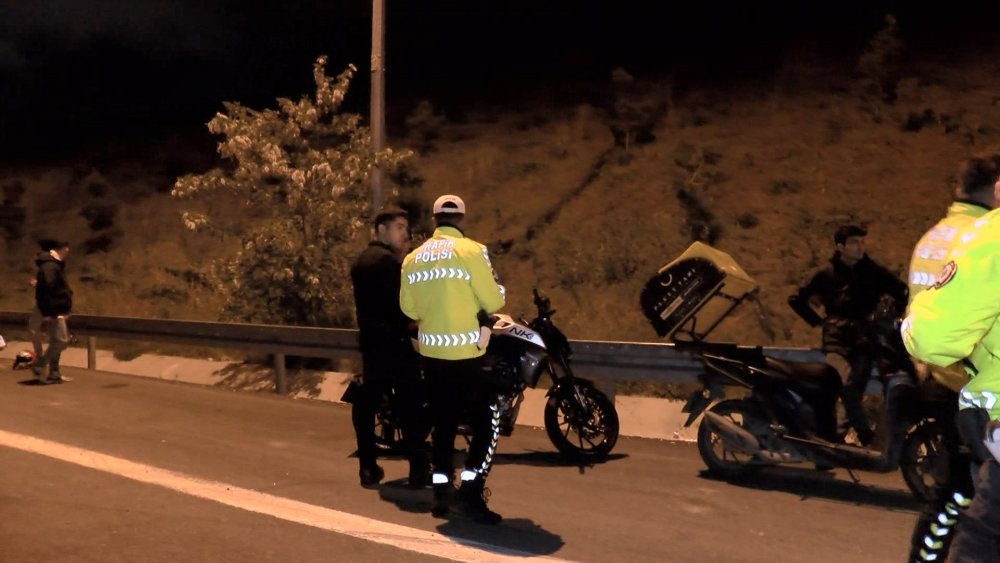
378	95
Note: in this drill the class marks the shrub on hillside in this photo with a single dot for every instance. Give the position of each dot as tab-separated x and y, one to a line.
301	171
880	63
424	125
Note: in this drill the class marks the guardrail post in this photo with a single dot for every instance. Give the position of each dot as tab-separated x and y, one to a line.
91	353
280	379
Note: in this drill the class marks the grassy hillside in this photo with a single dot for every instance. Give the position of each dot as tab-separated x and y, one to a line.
765	172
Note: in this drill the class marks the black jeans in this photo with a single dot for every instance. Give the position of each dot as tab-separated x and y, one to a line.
458	390
855	371
401	381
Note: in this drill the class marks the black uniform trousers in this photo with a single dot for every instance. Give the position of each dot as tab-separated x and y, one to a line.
458	390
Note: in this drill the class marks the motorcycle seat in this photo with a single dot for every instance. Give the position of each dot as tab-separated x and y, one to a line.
811	376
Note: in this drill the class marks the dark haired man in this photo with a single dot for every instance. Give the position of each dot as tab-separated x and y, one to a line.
848	289
448	286
390	364
53	305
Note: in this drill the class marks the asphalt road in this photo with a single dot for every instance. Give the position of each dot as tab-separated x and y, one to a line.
121	468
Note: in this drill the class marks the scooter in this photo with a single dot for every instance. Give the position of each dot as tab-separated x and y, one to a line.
785	410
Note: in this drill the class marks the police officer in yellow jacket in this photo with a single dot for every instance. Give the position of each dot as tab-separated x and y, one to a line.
958	321
449	287
974	197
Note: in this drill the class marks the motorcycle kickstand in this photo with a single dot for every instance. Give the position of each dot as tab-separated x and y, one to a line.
855	478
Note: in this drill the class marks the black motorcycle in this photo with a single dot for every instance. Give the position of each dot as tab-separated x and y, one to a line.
787	413
778	411
580	420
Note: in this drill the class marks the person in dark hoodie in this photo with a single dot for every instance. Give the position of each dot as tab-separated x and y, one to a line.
53	304
848	290
389	361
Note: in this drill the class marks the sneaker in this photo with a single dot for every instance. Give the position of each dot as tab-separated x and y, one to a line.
471	503
56	377
371	476
38	369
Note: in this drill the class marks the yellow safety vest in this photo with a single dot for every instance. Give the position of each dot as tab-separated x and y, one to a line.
957	319
929	256
444	284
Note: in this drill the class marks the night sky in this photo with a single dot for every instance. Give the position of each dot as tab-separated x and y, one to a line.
78	73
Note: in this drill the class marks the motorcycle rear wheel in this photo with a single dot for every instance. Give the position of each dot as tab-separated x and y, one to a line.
720	461
586	431
924	460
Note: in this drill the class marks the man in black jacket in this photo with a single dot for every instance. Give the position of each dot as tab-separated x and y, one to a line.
389	362
848	289
53	304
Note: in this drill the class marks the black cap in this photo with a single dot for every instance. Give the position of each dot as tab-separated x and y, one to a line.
47	244
846	231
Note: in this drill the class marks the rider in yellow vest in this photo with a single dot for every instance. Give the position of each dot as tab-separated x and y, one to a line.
958	320
448	286
974	197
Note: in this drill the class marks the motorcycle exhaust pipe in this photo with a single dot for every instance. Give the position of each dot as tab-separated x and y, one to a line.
735	437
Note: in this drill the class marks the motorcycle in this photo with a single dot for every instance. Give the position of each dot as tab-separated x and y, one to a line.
580	420
788	413
785	412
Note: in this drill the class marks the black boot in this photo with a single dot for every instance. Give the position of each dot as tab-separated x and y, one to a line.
442	500
420	474
471	502
371	475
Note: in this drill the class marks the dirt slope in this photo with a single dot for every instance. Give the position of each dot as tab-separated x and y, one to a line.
764	172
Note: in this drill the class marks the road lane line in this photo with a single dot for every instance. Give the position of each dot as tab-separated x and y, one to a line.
402	537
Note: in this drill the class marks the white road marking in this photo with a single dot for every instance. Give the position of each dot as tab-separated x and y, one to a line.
369	529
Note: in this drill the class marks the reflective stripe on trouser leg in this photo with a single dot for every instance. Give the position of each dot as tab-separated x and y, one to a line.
934	545
484	468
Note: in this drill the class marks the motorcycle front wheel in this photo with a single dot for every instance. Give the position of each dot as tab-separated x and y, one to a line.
720	460
924	460
581	421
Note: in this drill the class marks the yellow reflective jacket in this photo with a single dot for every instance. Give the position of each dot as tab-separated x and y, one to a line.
957	320
444	284
931	252
929	256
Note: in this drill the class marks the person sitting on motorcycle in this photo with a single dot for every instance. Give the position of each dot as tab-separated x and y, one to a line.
848	289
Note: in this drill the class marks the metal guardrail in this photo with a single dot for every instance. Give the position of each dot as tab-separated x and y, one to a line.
600	361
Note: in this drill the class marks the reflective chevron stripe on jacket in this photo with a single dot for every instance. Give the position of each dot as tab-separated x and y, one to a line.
438	274
449	339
